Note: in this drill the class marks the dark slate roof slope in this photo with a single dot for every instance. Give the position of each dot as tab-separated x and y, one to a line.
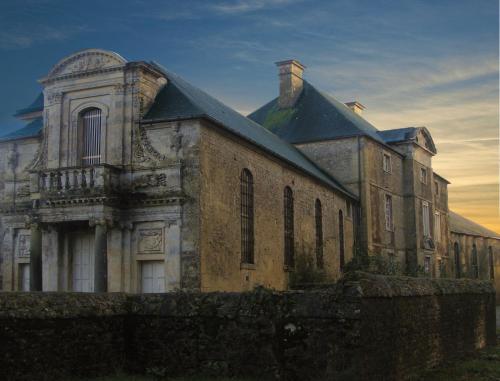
36	105
32	129
181	100
315	116
459	224
398	134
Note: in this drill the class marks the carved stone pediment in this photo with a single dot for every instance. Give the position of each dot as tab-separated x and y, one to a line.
87	60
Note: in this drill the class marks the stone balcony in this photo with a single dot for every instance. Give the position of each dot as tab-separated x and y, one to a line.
100	178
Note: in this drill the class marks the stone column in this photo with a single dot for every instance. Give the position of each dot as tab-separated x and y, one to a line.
100	257
36	258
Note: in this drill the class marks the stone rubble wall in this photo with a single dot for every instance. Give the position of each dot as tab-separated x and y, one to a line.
364	327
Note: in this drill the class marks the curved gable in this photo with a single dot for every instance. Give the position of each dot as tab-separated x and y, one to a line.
87	60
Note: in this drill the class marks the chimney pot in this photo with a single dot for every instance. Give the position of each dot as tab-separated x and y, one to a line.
291	82
356	107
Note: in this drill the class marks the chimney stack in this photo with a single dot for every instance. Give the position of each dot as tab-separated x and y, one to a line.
291	82
356	107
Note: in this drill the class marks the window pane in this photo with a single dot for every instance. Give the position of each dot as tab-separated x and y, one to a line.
247	217
91	128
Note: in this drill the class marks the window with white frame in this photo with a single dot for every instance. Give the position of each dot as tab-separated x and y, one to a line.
425	219
387	165
423	175
388	212
437	227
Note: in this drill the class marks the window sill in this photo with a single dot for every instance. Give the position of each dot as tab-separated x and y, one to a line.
248	266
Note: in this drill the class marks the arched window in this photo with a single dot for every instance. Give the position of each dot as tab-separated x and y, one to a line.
491	261
319	234
247	220
91	136
475	268
288	223
456	250
341	240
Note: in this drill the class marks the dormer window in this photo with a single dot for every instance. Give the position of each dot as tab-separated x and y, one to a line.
91	136
386	162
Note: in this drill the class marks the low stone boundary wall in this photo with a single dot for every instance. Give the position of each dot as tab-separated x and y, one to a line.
364	327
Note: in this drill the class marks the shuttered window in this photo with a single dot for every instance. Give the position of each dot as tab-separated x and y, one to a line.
319	234
288	223
425	219
91	128
247	217
388	212
437	227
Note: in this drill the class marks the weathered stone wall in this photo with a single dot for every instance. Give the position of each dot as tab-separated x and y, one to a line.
222	159
56	336
365	327
485	264
412	324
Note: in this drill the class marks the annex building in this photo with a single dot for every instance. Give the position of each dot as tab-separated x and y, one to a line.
128	178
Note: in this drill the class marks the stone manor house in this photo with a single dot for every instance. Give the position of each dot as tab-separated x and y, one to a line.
128	178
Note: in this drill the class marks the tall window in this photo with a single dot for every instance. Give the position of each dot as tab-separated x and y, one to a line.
91	131
247	214
437	227
387	163
436	188
456	250
425	219
423	175
475	267
288	220
491	261
388	212
341	240
319	234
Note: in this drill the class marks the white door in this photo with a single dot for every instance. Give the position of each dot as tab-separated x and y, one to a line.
82	250
24	276
153	276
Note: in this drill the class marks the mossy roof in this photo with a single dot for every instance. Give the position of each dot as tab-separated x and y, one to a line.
316	116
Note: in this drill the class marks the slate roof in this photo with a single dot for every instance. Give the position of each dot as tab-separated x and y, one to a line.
398	134
180	100
462	225
36	105
33	128
315	116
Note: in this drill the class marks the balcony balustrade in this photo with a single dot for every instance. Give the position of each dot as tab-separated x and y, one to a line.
99	178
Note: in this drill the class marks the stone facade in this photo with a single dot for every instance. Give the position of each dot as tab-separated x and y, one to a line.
162	206
160	209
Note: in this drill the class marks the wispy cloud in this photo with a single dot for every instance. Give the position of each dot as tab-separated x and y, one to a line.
245	6
25	38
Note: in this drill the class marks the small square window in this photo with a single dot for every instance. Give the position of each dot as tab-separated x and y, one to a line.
423	175
387	165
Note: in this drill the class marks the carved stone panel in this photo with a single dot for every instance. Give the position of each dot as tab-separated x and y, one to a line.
23	246
150	241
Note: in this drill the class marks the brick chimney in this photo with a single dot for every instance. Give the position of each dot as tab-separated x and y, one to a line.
356	107
291	82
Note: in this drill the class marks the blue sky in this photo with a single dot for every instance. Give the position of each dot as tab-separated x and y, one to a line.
432	63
